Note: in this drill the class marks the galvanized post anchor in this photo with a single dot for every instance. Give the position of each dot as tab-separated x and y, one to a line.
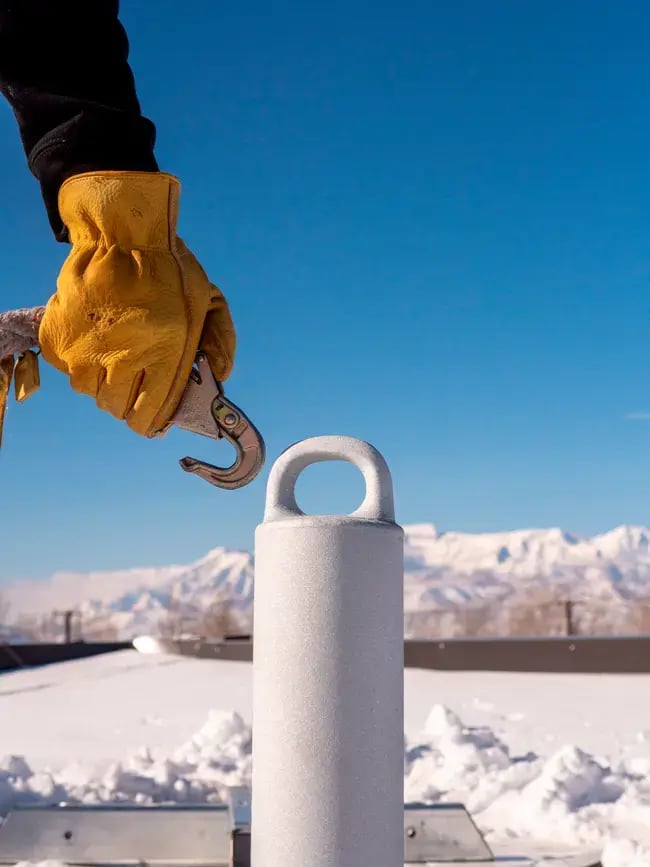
328	748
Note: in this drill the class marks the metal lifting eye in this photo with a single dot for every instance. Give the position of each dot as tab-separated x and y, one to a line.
205	410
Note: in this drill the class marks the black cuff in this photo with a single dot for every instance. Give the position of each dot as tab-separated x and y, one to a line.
101	140
64	70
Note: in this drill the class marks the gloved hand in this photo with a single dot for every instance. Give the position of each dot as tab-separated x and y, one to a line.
132	304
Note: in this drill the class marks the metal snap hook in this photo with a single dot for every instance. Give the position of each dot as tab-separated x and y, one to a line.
205	410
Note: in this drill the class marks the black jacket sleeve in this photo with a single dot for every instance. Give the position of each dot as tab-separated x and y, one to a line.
64	70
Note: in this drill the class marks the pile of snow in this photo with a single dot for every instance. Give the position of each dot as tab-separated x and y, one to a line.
197	772
623	853
569	797
451	571
547	761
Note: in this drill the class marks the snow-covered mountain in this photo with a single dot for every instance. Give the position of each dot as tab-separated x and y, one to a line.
132	601
445	574
443	569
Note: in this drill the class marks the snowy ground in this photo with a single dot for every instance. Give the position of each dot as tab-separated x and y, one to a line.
561	759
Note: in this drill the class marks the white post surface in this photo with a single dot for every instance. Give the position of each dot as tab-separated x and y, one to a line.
328	744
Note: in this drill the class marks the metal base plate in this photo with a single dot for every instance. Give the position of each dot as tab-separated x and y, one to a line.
215	836
442	832
195	836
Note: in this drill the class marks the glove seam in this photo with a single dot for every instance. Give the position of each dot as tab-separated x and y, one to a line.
165	413
131	247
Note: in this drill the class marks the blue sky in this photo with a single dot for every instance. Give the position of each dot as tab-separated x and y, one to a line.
432	222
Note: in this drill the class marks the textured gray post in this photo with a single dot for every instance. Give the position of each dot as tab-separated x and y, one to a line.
328	745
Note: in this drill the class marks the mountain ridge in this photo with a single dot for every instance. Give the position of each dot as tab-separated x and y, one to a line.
443	570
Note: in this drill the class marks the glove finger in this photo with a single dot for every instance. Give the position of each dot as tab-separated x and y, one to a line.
87	378
152	389
218	339
120	389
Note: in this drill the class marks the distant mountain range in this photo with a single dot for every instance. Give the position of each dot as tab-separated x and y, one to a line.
446	574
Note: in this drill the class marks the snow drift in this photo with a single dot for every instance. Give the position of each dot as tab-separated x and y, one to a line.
569	797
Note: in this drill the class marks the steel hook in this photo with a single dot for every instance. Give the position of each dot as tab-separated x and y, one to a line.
205	410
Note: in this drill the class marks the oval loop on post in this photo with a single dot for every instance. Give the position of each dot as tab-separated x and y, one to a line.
378	502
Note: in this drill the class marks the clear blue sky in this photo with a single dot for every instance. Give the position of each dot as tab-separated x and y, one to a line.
432	220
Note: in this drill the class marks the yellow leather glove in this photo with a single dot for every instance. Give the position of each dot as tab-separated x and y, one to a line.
132	304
